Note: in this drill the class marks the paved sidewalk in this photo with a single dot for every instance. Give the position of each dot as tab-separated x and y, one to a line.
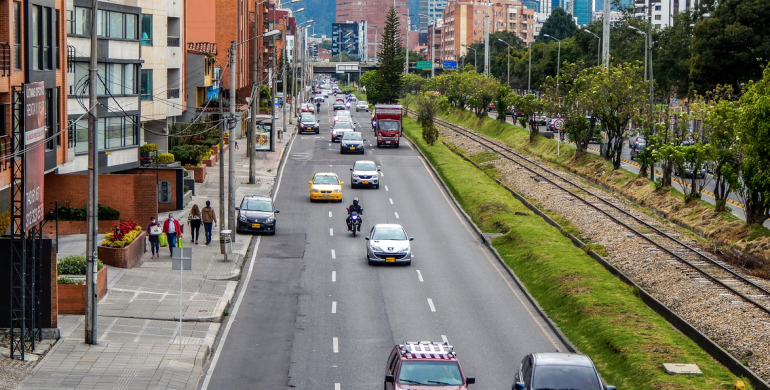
140	346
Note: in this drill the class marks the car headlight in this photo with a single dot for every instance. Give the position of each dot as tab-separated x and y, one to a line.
375	247
337	190
242	218
314	190
269	220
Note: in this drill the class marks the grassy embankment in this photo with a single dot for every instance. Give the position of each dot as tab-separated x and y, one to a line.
601	315
698	216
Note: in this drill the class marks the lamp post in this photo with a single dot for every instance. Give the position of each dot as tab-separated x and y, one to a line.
293	75
508	55
475	64
598	47
529	71
486	40
406	64
256	80
432	45
558	62
647	57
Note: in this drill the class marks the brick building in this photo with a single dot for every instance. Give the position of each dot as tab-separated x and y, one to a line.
464	24
374	13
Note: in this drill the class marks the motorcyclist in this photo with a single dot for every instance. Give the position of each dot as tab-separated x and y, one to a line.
318	107
357	208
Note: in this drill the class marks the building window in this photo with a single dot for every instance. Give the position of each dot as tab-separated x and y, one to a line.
57	59
36	38
47	28
146	30
121	79
114	132
16	35
146	87
80	21
50	118
117	25
657	8
657	17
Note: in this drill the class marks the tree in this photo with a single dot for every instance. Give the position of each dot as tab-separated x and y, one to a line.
344	57
428	106
528	105
671	58
327	44
390	66
572	101
732	45
412	83
372	81
484	91
756	165
502	100
559	25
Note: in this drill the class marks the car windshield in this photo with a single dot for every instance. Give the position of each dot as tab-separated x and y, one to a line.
343	113
388	125
430	373
343	126
352	137
326	180
365	166
565	377
363	103
389	234
256	205
308	118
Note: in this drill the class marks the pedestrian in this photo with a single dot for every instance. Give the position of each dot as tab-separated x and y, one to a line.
172	228
155	230
236	145
194	220
208	216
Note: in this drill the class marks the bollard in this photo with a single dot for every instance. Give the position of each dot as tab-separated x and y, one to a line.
225	242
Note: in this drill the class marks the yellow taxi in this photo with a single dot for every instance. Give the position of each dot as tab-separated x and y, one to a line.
326	186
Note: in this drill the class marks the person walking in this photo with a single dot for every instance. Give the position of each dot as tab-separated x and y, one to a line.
172	228
208	216
155	230
194	220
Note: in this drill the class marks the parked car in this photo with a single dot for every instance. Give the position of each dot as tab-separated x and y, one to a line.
555	370
256	214
424	364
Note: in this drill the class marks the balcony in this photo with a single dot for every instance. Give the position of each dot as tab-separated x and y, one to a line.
173	42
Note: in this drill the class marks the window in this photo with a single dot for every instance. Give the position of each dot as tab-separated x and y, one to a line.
81	21
50	118
114	132
36	11
121	79
657	17
16	35
146	30
131	32
146	87
657	8
47	28
57	60
116	25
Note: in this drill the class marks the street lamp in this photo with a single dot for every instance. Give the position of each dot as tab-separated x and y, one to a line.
648	48
475	64
558	62
507	55
598	47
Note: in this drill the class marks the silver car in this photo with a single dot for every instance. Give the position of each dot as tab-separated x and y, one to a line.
339	129
388	243
364	173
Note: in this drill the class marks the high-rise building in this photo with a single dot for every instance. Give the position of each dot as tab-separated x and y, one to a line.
662	12
374	12
582	11
350	38
430	10
463	24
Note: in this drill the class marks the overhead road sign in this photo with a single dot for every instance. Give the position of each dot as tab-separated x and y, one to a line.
424	65
450	65
350	67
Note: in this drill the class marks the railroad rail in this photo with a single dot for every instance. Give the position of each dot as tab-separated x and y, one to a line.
710	269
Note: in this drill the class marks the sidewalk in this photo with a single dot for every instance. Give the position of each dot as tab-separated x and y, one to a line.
138	320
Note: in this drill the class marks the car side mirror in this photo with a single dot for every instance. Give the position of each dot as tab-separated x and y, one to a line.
276	211
610	387
470	380
237	208
366	238
310	182
390	379
342	182
411	238
364	139
518	386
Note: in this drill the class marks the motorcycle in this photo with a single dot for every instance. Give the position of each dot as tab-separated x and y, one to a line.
347	104
355	222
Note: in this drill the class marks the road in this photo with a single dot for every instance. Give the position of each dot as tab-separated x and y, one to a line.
315	315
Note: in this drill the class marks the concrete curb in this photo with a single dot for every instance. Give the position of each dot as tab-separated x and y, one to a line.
713	349
562	337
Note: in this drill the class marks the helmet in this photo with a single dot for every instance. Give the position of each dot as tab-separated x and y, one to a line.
355	201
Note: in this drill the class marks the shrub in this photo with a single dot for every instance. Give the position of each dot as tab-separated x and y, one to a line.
74	265
66	280
163	158
5	221
122	235
189	155
148	148
66	213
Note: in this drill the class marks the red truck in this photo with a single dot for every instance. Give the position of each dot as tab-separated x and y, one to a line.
387	123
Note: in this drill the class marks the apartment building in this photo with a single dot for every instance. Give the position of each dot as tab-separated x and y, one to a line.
661	12
32	49
162	75
463	24
430	10
350	38
374	12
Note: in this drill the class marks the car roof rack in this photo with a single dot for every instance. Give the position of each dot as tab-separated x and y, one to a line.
426	350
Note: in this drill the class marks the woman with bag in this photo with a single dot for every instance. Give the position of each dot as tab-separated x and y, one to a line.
155	230
194	220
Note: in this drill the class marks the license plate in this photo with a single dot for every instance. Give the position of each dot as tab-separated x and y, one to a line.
387	142
390	259
365	182
326	195
352	148
309	128
255	225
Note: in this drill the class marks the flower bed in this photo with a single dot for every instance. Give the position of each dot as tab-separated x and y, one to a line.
199	172
71	284
124	246
122	235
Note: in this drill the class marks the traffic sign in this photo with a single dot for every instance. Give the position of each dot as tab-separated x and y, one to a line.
424	65
558	124
450	65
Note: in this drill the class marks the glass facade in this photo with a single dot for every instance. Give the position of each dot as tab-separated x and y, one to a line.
114	133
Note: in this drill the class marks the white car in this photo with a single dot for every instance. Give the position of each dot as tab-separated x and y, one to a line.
341	113
362	105
388	243
364	173
339	129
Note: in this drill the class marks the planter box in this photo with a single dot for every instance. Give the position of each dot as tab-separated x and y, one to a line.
199	173
72	297
209	162
76	227
126	257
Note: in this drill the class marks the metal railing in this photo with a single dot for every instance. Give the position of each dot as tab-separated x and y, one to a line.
172	93
173	41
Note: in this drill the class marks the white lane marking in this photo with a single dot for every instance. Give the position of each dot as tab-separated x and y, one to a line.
334	307
443	337
382	173
334	255
396	214
391	200
330	165
334	276
231	318
335	345
337	386
330	214
419	275
430	303
331	231
386	188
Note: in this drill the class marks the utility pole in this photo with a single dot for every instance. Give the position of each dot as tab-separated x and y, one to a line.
272	101
93	188
255	77
221	161
432	50
606	35
232	126
283	81
406	67
529	72
486	41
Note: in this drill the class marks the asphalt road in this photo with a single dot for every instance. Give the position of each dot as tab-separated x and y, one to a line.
315	315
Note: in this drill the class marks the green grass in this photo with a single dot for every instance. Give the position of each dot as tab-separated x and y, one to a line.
602	316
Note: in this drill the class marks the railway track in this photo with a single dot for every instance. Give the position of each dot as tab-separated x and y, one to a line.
712	273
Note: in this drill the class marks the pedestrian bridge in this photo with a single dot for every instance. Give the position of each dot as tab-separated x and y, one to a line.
344	67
